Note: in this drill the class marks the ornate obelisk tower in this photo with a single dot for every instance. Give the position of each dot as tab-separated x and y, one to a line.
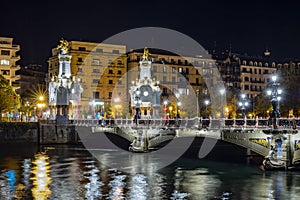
65	89
145	93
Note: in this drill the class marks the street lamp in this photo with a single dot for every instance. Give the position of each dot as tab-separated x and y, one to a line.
165	108
137	103
243	103
206	102
197	94
222	92
177	113
275	93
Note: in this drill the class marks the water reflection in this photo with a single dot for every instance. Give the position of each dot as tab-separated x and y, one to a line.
41	178
72	173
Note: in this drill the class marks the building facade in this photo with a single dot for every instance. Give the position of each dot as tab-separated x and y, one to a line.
175	73
30	74
8	61
249	74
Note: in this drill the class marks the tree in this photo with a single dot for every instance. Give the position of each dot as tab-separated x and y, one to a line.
9	98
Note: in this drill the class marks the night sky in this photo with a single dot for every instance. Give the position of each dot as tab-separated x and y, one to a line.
246	26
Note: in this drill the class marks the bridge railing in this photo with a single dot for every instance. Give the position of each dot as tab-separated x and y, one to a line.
282	123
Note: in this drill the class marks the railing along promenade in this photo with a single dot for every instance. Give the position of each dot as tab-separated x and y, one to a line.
282	123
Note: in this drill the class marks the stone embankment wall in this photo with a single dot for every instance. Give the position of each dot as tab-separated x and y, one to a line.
35	132
18	132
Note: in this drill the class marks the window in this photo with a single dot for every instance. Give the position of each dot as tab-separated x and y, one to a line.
79	70
246	87
96	62
97	71
164	69
187	71
164	79
266	71
110	71
115	52
95	81
165	90
110	81
173	69
119	82
173	79
120	62
154	68
180	69
246	78
197	80
119	72
96	95
81	48
5	52
4	62
110	95
79	60
99	50
110	62
5	72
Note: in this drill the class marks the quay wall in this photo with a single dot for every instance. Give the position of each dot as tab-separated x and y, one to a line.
18	132
37	132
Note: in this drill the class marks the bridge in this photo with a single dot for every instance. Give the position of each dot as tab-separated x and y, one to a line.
257	135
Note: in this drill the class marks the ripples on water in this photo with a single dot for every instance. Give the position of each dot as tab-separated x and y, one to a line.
72	173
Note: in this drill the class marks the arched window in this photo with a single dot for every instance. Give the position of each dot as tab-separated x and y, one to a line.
273	64
251	63
244	62
255	63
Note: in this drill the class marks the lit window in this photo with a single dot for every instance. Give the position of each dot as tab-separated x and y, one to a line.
180	69
4	62
96	62
164	69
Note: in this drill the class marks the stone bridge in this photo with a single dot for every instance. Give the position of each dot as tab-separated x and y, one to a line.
256	135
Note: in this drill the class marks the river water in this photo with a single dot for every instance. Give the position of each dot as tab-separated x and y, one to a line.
71	172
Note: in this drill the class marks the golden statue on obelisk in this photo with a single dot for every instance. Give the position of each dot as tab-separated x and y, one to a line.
64	45
146	54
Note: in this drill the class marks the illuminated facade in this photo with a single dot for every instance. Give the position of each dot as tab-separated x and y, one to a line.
249	74
8	61
174	72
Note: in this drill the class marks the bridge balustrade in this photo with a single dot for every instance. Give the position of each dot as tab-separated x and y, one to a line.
205	123
215	123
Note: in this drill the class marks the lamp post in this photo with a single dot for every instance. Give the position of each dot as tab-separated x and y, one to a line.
222	92
197	94
177	112
165	108
92	104
243	104
275	93
137	103
206	102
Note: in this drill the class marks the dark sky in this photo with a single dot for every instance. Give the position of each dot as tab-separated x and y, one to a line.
248	26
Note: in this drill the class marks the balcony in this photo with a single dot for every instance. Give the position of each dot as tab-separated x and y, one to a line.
16	58
17	77
15	67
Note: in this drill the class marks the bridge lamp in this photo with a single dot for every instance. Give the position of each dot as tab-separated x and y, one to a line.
206	102
274	77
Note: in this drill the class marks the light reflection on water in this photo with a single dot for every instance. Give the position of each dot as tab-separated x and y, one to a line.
66	172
